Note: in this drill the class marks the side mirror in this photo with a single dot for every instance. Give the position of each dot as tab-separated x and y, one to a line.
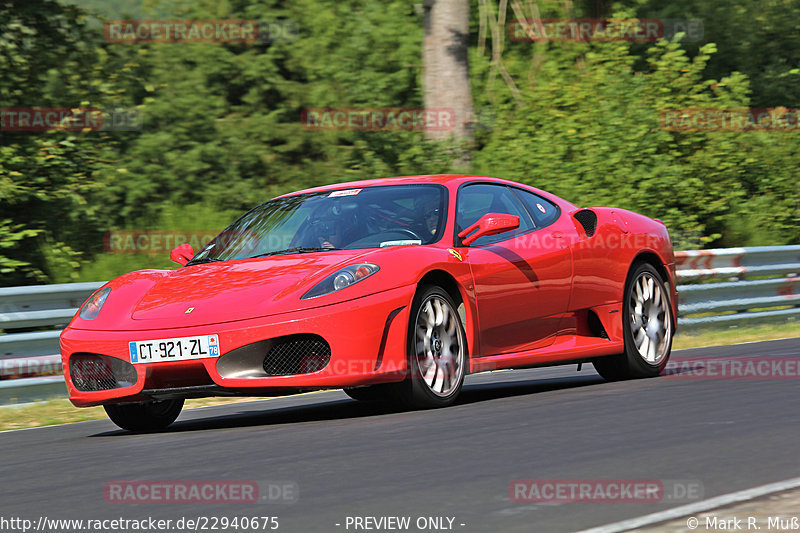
182	254
489	224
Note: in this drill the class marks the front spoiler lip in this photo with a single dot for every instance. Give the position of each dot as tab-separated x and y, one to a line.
205	391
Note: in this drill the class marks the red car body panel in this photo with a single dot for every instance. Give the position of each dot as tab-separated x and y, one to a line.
526	301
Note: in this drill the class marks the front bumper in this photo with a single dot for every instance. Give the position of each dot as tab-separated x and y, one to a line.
367	338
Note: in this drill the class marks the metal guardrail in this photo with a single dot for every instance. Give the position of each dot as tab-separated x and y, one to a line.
708	297
30	364
738	262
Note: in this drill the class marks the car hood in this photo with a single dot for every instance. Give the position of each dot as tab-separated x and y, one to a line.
213	293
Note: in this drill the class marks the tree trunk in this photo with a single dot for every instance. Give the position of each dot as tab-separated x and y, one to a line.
446	68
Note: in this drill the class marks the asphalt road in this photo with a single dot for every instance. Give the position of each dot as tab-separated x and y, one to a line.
351	459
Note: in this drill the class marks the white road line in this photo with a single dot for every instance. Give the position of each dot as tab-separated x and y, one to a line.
735	344
187	410
254	400
20	405
697	507
50	426
756	342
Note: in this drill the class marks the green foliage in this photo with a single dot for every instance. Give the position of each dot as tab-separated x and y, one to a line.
49	58
758	38
588	129
221	124
592	134
12	235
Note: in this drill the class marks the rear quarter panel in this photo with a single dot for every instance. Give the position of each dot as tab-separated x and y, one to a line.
602	261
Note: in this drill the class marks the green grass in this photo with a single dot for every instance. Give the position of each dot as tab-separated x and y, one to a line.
735	335
61	411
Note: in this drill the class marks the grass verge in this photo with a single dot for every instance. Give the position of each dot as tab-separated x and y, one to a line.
61	411
735	335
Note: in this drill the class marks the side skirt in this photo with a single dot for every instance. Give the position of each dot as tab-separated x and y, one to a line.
565	349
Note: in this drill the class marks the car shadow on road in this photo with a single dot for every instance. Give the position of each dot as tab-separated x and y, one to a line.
482	392
339	408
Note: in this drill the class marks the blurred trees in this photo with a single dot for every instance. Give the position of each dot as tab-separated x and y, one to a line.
759	38
446	65
221	126
588	125
48	214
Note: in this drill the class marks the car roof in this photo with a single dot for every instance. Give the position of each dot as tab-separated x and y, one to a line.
448	180
440	179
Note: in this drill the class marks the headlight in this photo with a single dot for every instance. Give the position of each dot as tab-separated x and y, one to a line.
92	306
341	279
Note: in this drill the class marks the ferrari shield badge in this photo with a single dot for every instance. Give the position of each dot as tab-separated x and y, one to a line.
455	254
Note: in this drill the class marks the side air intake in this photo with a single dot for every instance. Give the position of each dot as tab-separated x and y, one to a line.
595	326
588	220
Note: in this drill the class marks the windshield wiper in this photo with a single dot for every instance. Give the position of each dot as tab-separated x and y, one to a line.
201	261
296	250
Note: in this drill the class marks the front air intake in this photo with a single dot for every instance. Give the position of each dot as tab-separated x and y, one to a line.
90	372
297	354
588	220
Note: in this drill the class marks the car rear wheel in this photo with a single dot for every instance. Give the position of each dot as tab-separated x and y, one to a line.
437	347
647	328
145	416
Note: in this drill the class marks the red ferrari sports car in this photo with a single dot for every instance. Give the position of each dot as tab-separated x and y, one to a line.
392	289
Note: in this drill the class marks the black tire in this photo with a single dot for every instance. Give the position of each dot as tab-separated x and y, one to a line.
145	416
373	393
448	355
632	363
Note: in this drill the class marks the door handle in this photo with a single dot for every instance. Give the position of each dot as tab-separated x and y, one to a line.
558	235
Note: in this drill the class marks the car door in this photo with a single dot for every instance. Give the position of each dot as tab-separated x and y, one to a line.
522	277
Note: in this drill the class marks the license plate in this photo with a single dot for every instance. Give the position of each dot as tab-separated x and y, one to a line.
181	349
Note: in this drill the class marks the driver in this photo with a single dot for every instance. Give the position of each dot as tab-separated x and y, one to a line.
328	233
429	209
326	229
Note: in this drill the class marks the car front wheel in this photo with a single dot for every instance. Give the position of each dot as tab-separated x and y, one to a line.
144	416
437	347
647	328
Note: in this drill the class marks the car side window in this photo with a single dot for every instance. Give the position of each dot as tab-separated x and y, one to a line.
543	212
478	199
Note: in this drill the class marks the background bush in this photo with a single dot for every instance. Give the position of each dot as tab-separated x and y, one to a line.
221	122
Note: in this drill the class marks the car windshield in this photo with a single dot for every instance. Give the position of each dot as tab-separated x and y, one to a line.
368	217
